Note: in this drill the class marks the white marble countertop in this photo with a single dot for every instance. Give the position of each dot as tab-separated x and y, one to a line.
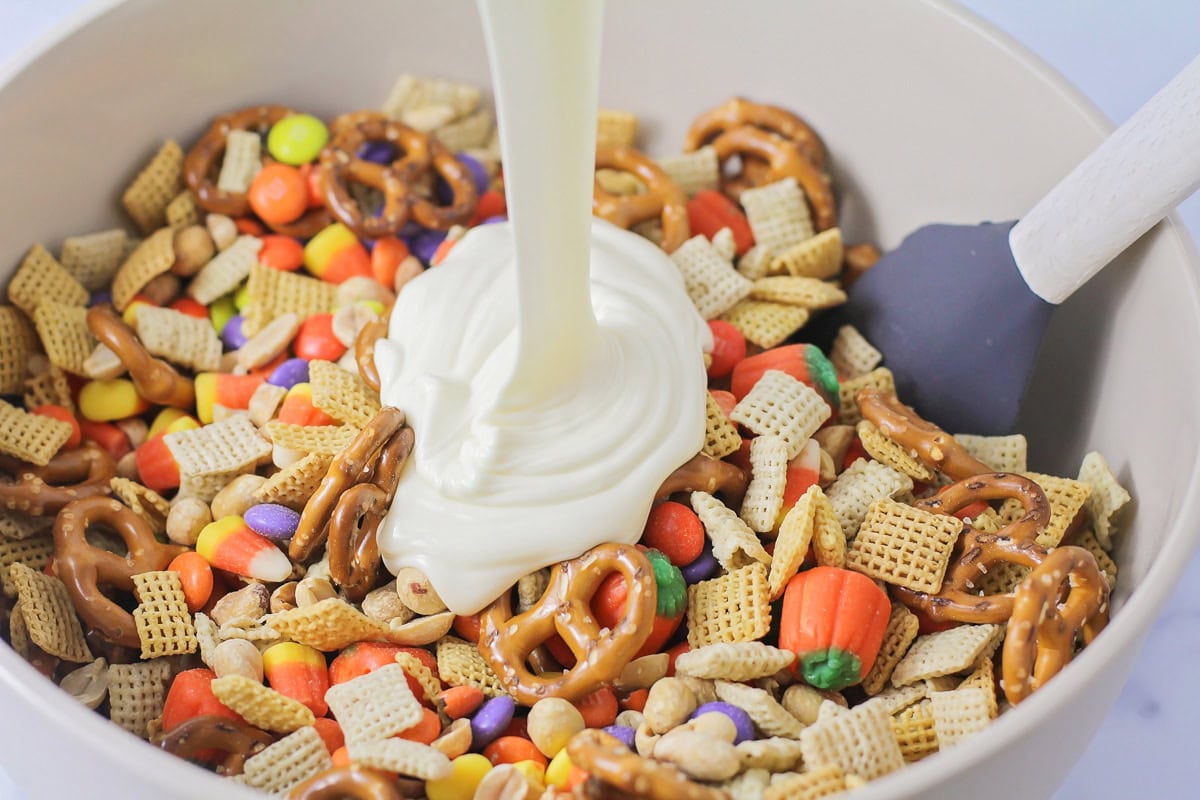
1118	53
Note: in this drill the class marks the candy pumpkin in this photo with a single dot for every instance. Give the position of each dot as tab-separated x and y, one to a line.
833	620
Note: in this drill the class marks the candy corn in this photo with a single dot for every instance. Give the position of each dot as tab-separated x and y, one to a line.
231	545
298	408
335	250
299	672
225	390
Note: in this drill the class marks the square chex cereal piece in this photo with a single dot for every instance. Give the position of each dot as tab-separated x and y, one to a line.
28	436
819	256
852	355
273	293
211	456
735	607
915	731
241	161
901	632
768	477
182	211
375	706
402	757
410	93
49	615
755	263
1067	497
466	133
885	451
460	664
20	343
262	707
180	338
812	784
65	335
1106	499
858	741
155	186
710	280
152	257
721	436
945	653
164	625
341	394
1001	453
289	762
733	543
49	388
778	214
41	278
136	693
766	324
32	551
615	128
694	171
226	270
779	405
958	714
860	485
93	258
904	546
879	378
809	293
295	483
17	526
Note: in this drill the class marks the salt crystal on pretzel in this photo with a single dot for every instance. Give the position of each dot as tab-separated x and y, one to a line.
182	211
410	92
153	257
915	731
342	395
34	552
159	181
739	661
49	388
48	614
143	501
778	214
93	258
735	607
695	171
31	437
766	324
468	132
1067	497
294	484
1106	499
811	519
721	436
860	485
958	714
40	278
852	355
858	741
240	162
768	478
880	378
272	292
812	784
812	294
755	263
164	625
65	336
901	632
211	456
374	706
179	338
904	546
403	757
262	707
17	526
460	664
819	256
136	693
779	405
945	653
733	543
20	343
287	763
891	454
711	282
615	128
226	270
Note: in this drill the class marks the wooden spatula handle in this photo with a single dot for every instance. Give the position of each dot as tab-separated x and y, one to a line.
1147	167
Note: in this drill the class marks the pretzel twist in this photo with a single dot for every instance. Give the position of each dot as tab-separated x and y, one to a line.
738	112
237	739
364	351
663	199
615	766
85	568
200	164
462	188
71	475
1065	597
155	379
506	642
937	449
784	160
346	783
703	473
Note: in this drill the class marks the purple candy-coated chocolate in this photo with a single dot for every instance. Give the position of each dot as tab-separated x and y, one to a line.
622	732
740	719
425	244
491	720
101	297
232	334
377	152
702	568
410	229
272	521
289	373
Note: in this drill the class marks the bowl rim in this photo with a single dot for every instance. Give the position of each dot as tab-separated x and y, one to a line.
1137	613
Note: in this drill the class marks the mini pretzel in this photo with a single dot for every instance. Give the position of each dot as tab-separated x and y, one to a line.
345	471
738	112
155	379
353	527
977	552
85	568
703	473
564	608
1044	625
784	160
346	783
70	475
237	739
364	351
341	166
462	189
615	765
936	448
663	199
201	161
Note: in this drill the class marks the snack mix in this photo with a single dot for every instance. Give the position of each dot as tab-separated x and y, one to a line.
197	463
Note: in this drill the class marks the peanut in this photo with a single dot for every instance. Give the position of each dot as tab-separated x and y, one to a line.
702	757
185	520
238	657
417	592
551	724
237	496
669	703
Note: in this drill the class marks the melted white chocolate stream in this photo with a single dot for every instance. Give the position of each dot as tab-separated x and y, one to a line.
549	400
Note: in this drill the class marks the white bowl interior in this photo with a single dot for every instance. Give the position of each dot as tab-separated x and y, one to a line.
929	116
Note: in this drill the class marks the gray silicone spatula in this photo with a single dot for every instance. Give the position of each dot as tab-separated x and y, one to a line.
959	311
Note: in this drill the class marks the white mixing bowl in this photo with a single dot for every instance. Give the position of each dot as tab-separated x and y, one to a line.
929	115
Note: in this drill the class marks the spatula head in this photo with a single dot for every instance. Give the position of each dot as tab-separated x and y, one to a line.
956	324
